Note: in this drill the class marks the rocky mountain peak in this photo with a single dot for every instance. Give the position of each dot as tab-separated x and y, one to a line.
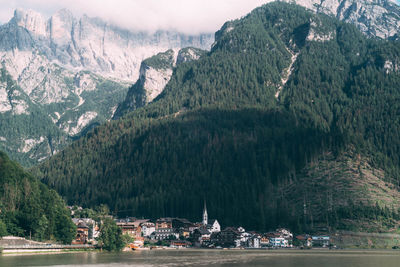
155	73
73	72
376	18
30	20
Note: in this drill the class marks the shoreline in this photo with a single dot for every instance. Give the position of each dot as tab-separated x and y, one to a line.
45	252
66	251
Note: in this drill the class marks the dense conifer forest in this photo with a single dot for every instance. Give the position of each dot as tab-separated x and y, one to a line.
220	132
28	208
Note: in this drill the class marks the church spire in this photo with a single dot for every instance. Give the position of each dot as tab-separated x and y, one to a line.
205	215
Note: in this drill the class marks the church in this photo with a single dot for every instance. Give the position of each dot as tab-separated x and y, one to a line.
213	225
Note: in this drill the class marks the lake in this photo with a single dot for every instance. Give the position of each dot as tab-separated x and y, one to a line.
192	257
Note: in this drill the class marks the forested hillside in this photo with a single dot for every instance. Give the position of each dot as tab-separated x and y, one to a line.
241	126
26	131
29	209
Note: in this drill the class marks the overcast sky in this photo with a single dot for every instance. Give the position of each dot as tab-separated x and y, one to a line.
192	16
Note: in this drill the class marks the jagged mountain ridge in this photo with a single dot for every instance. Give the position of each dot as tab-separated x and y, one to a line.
94	45
375	18
155	73
76	71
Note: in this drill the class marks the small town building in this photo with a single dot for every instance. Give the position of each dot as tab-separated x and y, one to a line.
201	236
279	242
128	228
254	241
321	241
214	226
148	228
164	223
285	233
87	230
180	244
82	233
264	242
229	237
178	223
304	240
164	233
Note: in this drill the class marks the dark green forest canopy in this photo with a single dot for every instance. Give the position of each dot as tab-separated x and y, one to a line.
218	132
29	209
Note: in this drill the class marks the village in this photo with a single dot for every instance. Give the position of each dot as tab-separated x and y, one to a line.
181	233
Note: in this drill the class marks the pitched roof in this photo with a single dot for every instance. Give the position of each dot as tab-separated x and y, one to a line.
203	231
183	220
212	221
82	225
137	223
231	229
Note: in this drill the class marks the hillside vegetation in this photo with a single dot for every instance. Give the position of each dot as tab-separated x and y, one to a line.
280	88
29	209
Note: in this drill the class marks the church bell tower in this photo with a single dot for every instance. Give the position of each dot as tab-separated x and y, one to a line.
205	215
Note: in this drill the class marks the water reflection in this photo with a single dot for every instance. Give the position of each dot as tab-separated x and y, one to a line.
362	258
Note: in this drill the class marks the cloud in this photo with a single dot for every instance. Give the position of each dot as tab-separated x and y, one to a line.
189	16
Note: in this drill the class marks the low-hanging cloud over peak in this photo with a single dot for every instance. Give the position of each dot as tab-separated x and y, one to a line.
188	16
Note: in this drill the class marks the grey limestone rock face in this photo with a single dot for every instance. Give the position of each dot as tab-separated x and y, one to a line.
376	18
155	73
75	71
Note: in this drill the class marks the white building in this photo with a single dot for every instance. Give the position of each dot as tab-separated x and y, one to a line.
279	242
214	226
148	228
254	241
164	233
285	233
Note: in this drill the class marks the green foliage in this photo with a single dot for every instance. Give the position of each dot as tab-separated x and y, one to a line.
42	228
36	124
29	208
110	238
218	133
127	239
3	229
66	229
163	60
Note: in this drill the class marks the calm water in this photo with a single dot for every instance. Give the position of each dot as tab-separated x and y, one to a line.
310	258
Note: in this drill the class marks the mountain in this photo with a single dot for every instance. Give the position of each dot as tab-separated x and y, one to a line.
75	71
290	120
155	73
29	208
375	18
379	19
78	70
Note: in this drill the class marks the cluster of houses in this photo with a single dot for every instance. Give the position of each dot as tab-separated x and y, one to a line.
178	232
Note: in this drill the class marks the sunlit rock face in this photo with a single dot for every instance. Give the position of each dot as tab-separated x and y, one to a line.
155	73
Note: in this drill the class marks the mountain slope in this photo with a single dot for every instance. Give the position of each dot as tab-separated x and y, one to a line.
155	73
280	87
29	208
26	132
76	71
